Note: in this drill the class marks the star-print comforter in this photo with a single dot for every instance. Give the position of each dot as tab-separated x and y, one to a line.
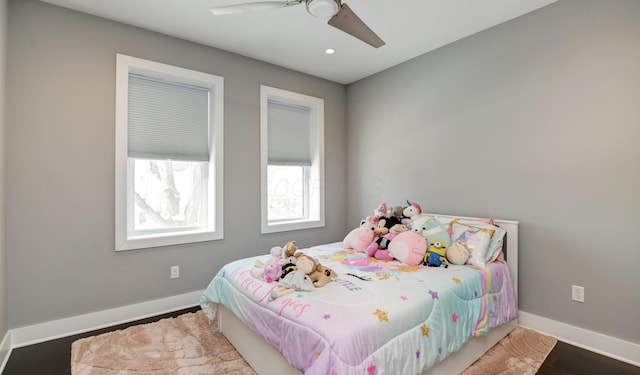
377	317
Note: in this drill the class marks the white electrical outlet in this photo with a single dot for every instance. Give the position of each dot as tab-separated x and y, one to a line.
577	293
175	272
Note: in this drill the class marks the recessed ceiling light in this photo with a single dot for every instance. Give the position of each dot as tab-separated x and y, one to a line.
330	51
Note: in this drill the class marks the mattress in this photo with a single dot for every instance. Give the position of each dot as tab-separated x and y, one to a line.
376	317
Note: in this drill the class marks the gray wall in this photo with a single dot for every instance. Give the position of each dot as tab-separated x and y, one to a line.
3	253
60	165
535	120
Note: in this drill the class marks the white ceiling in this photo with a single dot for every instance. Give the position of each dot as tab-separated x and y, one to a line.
292	38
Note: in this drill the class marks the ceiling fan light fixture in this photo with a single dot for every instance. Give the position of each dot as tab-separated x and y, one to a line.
323	8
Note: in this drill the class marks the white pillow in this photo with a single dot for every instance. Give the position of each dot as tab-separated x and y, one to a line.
475	238
497	239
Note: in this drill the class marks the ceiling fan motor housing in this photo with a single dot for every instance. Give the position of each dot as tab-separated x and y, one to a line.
323	8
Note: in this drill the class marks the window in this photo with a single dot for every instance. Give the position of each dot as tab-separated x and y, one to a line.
292	160
168	155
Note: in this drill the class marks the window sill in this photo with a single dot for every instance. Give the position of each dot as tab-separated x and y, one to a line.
286	226
167	239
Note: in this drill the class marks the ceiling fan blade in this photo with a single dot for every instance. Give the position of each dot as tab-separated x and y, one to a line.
350	23
252	7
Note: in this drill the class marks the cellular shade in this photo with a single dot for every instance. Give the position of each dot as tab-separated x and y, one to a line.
289	134
167	120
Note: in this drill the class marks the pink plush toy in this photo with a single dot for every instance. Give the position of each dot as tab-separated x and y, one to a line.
379	249
408	247
380	211
359	238
269	271
272	271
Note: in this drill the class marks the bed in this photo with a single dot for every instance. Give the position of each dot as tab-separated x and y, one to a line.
375	317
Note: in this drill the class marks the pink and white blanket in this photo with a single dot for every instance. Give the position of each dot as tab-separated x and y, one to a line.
377	317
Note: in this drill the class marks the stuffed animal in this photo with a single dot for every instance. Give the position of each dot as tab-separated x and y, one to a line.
271	270
405	213
379	231
396	211
411	210
322	275
379	248
435	255
358	239
289	249
412	215
408	247
288	268
370	222
384	224
458	253
277	251
438	240
295	278
379	212
418	221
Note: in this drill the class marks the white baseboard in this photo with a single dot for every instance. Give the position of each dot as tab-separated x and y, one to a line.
5	351
621	350
37	333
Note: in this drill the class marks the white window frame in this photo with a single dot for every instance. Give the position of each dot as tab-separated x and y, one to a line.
314	187
214	231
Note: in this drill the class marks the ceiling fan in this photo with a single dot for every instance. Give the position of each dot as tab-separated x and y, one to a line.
342	17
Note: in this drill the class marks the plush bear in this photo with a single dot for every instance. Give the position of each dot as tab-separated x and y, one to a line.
322	275
289	249
396	211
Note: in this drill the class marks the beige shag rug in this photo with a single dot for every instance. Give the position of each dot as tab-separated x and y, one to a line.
186	345
522	352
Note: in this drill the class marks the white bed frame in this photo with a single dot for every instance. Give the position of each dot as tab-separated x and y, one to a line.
266	360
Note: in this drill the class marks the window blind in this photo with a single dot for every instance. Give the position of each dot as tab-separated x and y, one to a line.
167	120
289	129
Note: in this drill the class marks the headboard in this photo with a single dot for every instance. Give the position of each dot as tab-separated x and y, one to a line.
510	246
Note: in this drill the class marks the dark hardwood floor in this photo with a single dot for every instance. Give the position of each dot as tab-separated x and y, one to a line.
53	357
567	359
